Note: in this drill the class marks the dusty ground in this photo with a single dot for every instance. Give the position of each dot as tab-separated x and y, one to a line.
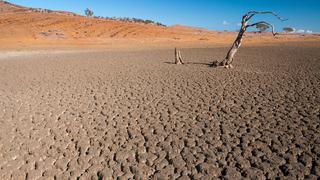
108	115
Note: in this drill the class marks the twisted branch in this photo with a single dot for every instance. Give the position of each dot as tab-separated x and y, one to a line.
250	14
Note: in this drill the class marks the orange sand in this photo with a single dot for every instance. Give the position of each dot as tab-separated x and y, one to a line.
22	28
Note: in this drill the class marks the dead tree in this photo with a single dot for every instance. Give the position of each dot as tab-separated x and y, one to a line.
227	62
178	58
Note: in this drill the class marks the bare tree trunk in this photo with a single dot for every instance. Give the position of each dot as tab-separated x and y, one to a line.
234	48
178	58
227	62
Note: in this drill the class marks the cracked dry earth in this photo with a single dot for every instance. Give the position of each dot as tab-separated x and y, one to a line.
125	115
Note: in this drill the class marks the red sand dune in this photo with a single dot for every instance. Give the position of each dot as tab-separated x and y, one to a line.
28	27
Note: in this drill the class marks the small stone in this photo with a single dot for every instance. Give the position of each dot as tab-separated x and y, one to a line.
184	178
120	156
209	169
231	173
168	170
306	160
142	158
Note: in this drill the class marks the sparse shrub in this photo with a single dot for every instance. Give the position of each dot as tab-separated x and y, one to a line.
160	24
288	30
88	12
262	27
148	22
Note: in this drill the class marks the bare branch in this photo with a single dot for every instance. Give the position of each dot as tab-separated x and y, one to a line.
266	23
253	13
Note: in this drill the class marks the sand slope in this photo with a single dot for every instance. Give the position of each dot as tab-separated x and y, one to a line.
22	27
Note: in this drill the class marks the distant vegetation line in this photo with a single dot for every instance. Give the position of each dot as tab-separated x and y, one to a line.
136	20
89	13
125	19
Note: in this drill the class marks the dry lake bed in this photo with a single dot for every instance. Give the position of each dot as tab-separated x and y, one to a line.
133	114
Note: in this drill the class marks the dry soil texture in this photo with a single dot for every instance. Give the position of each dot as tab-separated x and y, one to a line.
120	115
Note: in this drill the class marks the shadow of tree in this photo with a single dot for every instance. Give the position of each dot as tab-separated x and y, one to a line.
194	63
169	62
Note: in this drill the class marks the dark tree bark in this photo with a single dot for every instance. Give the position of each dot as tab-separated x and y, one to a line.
227	62
178	58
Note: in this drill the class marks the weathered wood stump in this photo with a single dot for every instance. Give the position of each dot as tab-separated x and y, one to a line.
178	58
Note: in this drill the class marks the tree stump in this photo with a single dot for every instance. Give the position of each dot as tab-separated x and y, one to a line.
178	58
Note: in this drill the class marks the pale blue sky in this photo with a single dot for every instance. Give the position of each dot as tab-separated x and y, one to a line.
211	14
